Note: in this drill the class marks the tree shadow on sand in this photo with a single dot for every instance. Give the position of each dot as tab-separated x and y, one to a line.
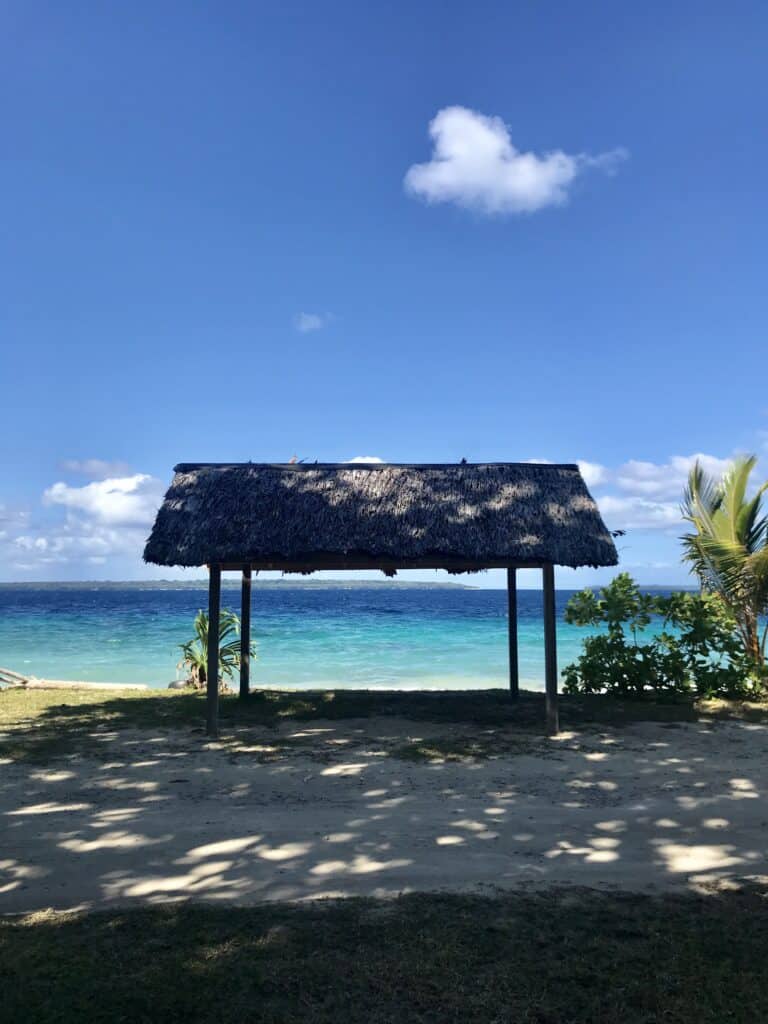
294	804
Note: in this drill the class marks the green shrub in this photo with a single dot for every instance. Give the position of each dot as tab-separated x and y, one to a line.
697	650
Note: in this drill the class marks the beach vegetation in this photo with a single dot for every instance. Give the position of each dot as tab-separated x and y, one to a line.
194	659
695	650
728	549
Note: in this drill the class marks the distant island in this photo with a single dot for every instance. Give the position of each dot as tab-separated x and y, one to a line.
227	583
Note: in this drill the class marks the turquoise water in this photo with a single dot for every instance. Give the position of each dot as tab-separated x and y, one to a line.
357	637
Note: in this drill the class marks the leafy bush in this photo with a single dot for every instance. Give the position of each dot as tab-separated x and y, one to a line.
698	649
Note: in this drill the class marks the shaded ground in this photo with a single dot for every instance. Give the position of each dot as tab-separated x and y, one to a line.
122	801
570	957
39	724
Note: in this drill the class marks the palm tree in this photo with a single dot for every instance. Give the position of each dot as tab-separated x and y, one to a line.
729	550
195	652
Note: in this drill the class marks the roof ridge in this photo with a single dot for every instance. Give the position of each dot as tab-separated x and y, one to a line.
187	466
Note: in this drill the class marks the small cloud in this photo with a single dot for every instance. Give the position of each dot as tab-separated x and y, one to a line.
592	472
365	458
665	480
475	165
305	322
97	469
119	501
636	513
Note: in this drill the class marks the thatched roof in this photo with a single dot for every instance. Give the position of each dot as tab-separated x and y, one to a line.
298	518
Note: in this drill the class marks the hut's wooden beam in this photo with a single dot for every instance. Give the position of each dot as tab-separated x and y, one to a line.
313	563
212	681
550	649
245	635
514	673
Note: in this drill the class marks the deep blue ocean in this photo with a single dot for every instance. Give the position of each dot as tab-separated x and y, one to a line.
383	637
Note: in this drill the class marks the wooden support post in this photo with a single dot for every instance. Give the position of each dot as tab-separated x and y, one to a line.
550	649
245	635
514	673
212	673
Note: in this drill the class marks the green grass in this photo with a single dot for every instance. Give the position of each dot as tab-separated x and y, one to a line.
562	957
37	725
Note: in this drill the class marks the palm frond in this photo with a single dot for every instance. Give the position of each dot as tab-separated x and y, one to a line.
734	488
752	525
195	651
727	550
702	496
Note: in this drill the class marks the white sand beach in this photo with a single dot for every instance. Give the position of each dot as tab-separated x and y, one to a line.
340	808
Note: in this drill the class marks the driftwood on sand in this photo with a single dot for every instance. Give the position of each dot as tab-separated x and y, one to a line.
9	678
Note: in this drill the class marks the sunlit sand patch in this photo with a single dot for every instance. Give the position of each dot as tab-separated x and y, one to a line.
202	879
51	776
345	769
50	808
359	865
312	733
285	852
124	784
105	819
594	853
14	874
471	825
223	846
112	841
390	802
694	859
743	788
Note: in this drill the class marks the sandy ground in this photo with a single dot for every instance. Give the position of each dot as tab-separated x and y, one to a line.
331	809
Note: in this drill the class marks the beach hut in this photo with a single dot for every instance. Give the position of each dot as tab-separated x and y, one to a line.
302	517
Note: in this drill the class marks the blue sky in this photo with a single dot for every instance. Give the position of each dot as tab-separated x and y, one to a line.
228	234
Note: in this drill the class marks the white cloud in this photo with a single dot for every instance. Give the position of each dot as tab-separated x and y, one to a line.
101	520
650	493
668	479
474	164
638	513
305	322
74	542
98	469
120	501
26	543
592	472
365	458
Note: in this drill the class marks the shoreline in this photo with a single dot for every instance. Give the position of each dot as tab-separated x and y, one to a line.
430	684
